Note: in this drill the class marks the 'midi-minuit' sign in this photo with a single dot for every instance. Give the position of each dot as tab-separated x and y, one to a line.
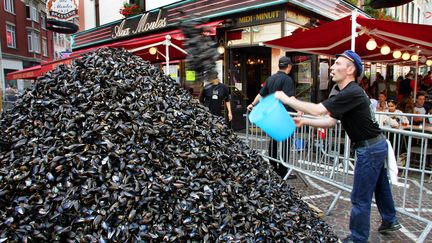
259	18
148	22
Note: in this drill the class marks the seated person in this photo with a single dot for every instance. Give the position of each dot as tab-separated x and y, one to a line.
382	103
395	120
419	108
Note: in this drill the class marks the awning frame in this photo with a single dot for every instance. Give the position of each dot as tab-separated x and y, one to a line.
167	43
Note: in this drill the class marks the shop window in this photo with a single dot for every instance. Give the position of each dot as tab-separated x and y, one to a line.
10	36
9	6
302	74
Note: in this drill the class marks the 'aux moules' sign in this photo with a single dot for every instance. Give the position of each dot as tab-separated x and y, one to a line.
147	22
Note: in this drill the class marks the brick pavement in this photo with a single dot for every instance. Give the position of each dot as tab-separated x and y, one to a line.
321	195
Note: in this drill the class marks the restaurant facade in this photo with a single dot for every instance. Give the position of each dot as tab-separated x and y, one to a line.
238	28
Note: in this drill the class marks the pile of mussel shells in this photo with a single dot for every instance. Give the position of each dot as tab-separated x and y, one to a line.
111	149
201	49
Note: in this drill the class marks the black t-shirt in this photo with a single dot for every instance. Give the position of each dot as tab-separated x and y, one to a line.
405	87
279	81
353	107
214	96
276	82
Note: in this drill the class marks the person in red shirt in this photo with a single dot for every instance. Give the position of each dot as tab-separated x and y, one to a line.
427	81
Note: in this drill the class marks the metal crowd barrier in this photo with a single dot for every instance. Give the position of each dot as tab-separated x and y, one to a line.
6	105
327	155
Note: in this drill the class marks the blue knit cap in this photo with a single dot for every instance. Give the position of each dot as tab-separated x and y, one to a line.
353	57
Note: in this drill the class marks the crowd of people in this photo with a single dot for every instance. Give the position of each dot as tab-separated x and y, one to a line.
398	98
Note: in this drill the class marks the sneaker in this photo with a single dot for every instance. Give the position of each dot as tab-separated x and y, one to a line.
388	227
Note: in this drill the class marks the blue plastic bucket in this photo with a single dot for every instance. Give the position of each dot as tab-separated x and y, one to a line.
270	115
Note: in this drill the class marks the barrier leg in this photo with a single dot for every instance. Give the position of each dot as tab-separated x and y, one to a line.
424	234
333	204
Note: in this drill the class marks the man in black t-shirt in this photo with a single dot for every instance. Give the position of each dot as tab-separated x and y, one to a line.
278	81
214	95
352	107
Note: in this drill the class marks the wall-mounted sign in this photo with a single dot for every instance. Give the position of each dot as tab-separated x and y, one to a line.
62	9
61	14
259	18
297	18
148	22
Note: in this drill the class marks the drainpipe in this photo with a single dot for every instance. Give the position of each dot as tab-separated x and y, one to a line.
2	77
97	14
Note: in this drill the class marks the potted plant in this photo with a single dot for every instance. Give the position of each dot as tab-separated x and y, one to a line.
130	9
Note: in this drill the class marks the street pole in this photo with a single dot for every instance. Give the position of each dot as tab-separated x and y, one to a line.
2	78
353	29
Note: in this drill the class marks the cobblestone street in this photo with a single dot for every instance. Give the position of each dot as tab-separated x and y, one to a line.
321	196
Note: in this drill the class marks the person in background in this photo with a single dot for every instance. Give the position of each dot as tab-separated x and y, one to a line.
391	89
427	80
214	95
382	103
414	89
398	119
279	81
381	83
419	108
404	88
364	83
352	106
406	105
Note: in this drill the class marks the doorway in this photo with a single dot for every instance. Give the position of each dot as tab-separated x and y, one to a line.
249	68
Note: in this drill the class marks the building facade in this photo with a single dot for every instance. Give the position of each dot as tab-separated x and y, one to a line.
415	12
25	41
238	28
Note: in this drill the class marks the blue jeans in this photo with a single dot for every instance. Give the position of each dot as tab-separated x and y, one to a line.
370	176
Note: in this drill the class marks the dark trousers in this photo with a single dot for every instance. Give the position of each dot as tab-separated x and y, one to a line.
370	176
273	152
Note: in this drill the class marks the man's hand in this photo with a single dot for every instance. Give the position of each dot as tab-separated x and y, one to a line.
229	116
299	121
250	107
280	95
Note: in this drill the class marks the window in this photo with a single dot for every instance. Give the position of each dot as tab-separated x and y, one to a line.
43	22
8	5
32	12
33	41
28	12
30	40
10	36
418	15
407	13
44	47
412	12
36	42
